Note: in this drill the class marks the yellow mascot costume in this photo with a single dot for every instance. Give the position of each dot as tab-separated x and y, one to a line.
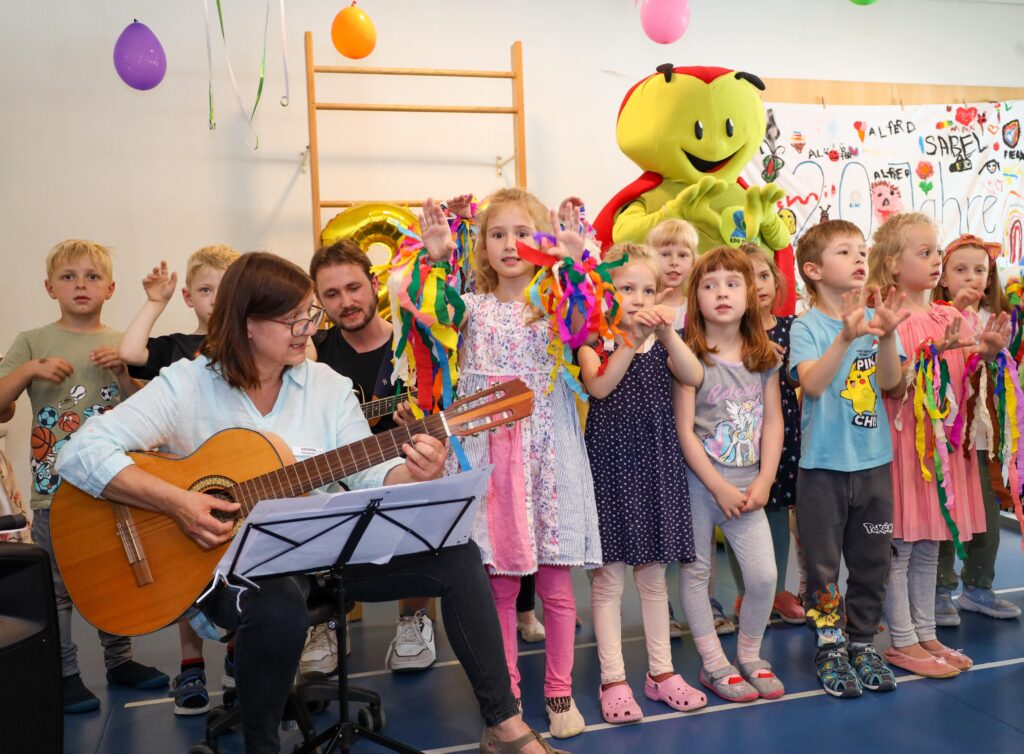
693	130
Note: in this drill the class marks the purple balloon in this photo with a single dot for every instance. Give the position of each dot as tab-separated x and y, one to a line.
139	57
665	21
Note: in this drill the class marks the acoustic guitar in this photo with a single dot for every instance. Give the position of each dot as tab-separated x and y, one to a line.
131	571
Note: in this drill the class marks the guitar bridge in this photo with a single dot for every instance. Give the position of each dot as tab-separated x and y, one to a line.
129	537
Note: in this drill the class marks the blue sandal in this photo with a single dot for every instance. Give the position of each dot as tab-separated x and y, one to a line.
189	692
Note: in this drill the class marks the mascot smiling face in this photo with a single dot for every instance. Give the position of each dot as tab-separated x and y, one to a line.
685	126
693	130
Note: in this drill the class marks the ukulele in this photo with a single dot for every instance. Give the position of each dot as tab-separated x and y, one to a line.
132	571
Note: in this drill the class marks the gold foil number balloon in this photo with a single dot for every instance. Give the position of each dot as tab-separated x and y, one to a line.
377	228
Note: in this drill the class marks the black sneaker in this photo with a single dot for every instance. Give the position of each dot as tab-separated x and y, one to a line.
77	698
836	675
137	676
874	673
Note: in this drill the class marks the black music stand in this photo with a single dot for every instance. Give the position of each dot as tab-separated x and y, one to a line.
372	526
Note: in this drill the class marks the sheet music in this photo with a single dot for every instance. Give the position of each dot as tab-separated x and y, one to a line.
305	534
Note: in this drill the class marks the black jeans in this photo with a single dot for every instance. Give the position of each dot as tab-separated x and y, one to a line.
271	630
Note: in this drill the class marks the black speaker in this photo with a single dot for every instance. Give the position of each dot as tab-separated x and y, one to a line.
31	709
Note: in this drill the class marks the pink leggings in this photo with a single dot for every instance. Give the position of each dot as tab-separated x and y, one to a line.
554	587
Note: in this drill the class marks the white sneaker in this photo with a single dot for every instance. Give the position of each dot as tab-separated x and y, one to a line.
531	632
320	655
413	645
565	720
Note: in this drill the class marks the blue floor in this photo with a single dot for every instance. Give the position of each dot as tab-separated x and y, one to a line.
436	711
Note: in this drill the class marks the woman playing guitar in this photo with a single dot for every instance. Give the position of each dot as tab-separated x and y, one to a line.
254	374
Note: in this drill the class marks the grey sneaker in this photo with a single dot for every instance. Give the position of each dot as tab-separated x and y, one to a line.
987	602
946	613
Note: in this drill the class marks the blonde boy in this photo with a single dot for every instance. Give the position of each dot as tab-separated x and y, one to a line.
71	371
146	356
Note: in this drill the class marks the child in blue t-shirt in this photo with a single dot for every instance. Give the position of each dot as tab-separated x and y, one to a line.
844	355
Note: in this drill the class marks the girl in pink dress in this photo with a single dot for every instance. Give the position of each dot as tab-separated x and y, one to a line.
539	515
906	254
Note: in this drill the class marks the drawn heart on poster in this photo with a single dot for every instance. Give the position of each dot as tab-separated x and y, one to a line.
966	115
860	126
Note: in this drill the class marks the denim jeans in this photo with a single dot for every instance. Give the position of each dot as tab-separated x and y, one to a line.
271	630
117	650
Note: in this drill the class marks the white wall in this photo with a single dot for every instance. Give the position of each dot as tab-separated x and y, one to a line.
85	156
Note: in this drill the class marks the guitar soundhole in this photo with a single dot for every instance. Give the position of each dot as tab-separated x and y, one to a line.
219	487
224	495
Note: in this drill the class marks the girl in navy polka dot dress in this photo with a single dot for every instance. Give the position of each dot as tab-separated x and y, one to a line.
639	481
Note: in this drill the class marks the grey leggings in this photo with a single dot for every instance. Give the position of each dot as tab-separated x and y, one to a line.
751	539
910	598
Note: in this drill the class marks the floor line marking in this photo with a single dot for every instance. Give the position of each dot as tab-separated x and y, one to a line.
526	653
723	707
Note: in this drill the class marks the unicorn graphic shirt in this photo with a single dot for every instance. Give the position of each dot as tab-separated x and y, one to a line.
729	412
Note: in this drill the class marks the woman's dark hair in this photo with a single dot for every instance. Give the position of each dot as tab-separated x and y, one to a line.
259	286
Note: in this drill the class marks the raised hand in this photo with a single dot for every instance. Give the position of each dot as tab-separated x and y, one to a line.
951	337
852	312
461	205
160	286
995	337
51	369
966	298
435	232
643	324
105	357
888	314
570	241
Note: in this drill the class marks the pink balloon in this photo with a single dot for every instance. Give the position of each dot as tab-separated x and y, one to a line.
665	21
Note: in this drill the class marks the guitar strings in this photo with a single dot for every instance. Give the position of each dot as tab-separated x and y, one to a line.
357	454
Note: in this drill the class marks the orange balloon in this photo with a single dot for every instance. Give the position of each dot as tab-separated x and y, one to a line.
353	33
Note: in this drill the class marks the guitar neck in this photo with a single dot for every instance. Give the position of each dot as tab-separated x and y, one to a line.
334	465
382	406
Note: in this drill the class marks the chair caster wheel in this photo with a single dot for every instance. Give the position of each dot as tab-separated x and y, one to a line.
371	718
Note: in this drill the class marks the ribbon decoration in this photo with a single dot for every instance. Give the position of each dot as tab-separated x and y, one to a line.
1015	294
933	404
246	115
1009	401
426	338
564	290
464	232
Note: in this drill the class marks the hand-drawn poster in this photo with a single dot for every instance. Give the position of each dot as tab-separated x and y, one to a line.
963	164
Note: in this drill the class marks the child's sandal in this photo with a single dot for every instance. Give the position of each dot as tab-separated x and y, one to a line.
618	705
675	692
729	684
759	675
491	745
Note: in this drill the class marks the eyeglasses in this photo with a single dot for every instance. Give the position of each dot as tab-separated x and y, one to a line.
302	326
